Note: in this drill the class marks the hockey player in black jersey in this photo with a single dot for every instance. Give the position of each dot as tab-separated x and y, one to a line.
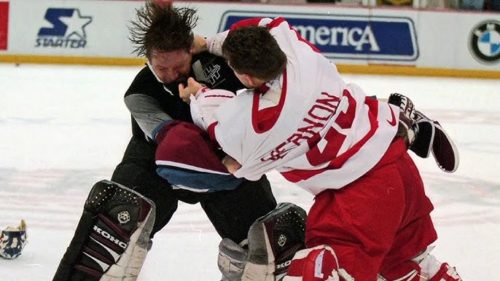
163	35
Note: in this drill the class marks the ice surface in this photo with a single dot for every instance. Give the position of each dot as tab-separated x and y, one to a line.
63	128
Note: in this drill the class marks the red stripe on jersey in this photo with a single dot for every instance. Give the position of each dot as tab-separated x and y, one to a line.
305	41
264	120
299	175
276	22
244	23
211	131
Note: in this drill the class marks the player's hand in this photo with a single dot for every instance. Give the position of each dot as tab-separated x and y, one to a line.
192	87
199	44
231	164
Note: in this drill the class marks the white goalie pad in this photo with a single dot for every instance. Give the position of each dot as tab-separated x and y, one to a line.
112	238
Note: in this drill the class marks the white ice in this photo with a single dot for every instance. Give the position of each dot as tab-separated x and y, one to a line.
62	128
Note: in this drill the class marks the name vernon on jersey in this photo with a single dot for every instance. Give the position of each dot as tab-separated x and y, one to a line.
315	121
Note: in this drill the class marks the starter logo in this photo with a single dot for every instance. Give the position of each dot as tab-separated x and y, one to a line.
484	42
348	37
67	30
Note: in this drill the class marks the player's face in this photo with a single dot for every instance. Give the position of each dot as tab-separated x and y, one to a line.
171	66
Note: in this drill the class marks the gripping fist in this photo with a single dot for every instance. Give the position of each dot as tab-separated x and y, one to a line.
191	88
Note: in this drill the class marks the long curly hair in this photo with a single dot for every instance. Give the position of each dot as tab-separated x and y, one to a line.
163	28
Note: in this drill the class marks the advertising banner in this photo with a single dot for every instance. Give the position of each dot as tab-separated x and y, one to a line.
4	25
71	28
484	42
357	39
344	36
67	29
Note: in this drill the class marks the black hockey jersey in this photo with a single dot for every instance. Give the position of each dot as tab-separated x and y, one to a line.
151	102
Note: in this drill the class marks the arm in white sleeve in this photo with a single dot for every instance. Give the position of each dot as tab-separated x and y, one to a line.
204	104
214	44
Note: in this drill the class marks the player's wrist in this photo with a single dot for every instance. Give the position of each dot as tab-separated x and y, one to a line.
199	44
201	90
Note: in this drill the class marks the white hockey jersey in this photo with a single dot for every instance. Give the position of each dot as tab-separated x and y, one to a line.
326	133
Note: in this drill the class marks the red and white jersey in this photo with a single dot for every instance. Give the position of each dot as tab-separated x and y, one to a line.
311	126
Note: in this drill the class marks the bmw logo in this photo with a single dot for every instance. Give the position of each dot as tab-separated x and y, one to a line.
484	42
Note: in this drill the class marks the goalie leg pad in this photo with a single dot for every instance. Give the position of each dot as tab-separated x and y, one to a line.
112	237
232	259
273	240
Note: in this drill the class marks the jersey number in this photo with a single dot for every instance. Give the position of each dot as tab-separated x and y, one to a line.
327	148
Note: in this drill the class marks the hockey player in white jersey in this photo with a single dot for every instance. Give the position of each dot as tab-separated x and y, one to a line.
371	218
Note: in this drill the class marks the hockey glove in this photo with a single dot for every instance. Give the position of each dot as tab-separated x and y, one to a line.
433	138
408	128
424	135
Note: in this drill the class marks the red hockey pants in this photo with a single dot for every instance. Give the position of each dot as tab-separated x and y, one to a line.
377	223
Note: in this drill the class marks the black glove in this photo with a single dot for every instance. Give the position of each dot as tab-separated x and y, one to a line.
424	135
433	138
